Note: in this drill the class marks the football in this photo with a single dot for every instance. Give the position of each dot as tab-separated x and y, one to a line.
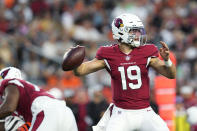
73	58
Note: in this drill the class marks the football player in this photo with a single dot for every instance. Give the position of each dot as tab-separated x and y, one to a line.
128	63
34	104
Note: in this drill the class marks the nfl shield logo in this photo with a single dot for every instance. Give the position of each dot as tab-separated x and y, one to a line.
127	58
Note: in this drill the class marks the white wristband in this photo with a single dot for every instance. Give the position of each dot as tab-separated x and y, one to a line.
168	63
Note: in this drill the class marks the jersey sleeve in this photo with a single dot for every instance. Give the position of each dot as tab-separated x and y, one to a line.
15	82
99	54
2	88
155	52
7	82
151	51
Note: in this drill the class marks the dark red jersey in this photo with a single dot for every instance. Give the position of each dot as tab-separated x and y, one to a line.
129	74
28	92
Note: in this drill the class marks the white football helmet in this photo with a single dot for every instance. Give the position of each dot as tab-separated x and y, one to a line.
123	24
10	73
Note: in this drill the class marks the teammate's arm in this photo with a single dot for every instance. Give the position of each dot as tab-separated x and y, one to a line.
167	69
89	67
10	102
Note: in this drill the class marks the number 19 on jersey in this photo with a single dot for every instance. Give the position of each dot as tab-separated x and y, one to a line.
130	76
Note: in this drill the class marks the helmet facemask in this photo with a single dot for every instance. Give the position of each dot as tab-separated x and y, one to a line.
123	28
134	39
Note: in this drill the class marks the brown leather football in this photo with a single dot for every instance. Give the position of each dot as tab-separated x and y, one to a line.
73	58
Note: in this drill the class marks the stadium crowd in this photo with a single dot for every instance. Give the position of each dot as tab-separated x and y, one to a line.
34	34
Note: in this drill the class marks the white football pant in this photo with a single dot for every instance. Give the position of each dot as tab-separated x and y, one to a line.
51	115
132	120
103	122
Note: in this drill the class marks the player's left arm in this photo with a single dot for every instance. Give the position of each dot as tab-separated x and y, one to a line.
166	67
10	102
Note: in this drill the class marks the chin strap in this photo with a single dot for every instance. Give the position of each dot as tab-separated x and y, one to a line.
135	43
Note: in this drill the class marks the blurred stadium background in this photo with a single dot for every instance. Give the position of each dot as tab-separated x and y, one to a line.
34	35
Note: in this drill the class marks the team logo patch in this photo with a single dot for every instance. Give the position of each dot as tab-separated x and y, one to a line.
118	23
4	73
127	58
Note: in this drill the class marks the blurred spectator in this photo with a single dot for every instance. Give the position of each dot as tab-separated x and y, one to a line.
35	67
49	48
38	7
82	100
5	52
96	108
192	119
68	80
187	92
69	96
181	116
86	32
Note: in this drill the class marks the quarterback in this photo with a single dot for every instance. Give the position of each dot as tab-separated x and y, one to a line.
128	63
